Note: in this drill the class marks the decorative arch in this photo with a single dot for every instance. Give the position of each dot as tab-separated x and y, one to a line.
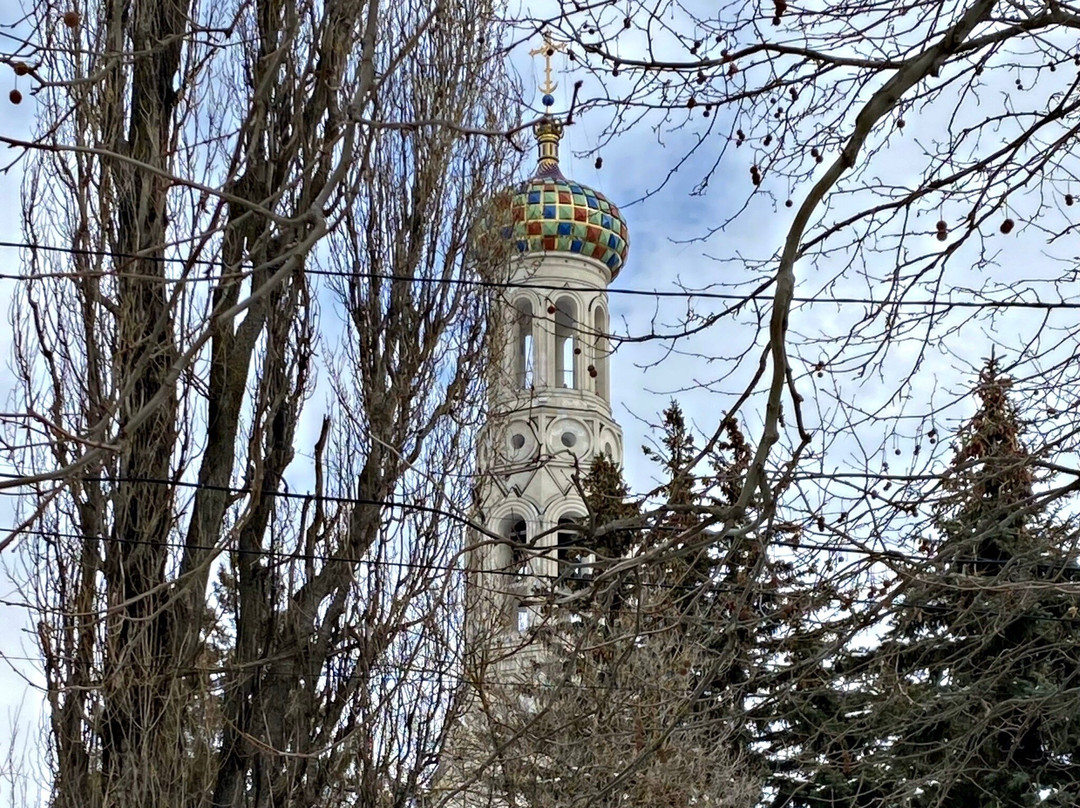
523	505
560	506
515	521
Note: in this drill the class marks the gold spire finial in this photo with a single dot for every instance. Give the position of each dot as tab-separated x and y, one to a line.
548	49
548	131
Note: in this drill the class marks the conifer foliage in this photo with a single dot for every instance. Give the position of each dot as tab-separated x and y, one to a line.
971	697
636	687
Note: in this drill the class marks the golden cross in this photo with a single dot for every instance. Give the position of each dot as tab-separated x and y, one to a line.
548	50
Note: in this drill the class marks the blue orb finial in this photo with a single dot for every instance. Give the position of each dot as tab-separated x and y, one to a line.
547	50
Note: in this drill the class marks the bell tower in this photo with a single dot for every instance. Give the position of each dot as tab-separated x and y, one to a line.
550	398
549	416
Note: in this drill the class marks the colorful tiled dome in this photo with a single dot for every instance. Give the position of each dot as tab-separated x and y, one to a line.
554	214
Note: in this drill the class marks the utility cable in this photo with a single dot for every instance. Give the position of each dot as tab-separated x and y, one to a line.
491	284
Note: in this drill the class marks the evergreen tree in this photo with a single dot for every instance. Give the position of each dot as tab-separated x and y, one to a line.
727	589
632	699
972	695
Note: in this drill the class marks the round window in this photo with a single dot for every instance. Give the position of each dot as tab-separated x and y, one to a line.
517	440
568	439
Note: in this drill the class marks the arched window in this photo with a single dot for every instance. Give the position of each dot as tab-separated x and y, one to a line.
523	617
573	560
600	353
516	531
523	344
566	347
517	534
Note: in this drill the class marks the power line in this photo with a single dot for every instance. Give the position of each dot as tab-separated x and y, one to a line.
394	504
758	294
877	554
517	575
410	675
524	642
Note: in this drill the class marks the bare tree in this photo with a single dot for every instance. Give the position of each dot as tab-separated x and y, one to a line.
250	358
629	688
902	164
609	712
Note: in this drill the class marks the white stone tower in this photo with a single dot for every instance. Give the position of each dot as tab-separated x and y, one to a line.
549	416
550	409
